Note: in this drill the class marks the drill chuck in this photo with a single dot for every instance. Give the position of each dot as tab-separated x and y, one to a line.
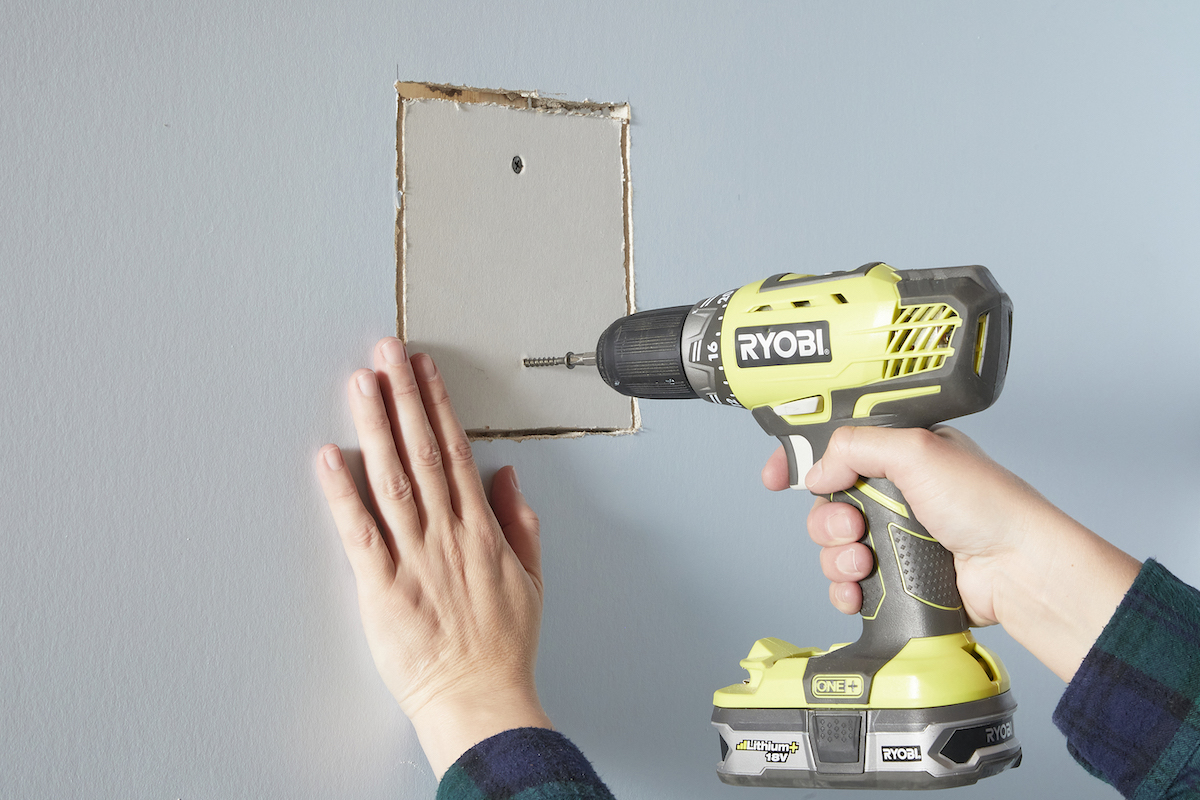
639	355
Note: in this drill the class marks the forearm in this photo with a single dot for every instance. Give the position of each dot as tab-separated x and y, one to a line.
1055	592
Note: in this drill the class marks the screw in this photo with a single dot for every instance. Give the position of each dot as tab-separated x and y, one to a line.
517	164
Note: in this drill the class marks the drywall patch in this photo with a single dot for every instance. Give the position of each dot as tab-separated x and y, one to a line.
513	239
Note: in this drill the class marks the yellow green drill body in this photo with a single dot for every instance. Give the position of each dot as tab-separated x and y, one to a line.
916	702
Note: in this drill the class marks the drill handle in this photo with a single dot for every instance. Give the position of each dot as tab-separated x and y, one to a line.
912	590
911	593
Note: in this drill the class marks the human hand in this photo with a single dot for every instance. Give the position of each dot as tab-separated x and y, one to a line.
971	504
1020	561
449	586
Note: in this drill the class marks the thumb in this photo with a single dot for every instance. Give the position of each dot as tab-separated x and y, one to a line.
902	455
518	521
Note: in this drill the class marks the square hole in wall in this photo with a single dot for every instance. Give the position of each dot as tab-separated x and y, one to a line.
513	239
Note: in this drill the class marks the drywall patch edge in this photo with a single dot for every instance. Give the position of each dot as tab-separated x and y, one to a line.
408	90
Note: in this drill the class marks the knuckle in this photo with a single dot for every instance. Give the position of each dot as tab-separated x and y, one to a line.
458	451
426	454
376	422
396	487
361	536
841	440
406	389
924	443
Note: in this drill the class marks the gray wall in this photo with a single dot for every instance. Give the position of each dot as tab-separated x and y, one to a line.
196	246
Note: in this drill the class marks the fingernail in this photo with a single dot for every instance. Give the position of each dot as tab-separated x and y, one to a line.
368	385
426	367
516	483
839	526
846	563
333	459
813	475
393	352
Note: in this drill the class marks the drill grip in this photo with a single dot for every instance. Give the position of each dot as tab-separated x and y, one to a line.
913	585
911	592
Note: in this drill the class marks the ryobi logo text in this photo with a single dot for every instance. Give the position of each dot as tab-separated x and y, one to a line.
993	734
910	752
771	345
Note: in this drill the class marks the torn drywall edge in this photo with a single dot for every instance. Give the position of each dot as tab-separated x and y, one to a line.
514	99
487	435
627	199
401	238
408	91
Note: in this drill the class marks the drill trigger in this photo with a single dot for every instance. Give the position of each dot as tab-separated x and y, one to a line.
799	453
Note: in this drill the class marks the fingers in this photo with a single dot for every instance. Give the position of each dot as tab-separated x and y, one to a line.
833	524
458	462
848	562
874	453
412	435
373	564
387	478
775	473
846	597
837	527
519	522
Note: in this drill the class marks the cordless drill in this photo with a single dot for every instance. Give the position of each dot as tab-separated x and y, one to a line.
916	702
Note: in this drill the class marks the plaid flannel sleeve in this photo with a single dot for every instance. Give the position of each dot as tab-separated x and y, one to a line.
1131	714
523	764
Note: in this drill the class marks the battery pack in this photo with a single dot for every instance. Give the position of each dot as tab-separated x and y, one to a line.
830	748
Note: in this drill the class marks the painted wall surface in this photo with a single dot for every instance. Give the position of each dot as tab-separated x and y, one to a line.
196	251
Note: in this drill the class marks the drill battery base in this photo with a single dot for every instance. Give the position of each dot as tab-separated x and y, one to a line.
938	714
927	748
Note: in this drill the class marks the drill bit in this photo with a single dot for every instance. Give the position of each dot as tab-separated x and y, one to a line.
570	360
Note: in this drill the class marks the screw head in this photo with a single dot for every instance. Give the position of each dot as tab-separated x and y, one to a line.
517	164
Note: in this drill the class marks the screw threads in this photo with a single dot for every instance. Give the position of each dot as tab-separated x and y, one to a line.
570	360
544	361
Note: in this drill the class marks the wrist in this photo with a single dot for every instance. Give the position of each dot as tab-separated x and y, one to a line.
452	723
1056	592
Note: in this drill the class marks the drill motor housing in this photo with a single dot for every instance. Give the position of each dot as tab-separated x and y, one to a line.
809	354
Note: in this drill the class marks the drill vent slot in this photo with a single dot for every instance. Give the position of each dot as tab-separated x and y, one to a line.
760	308
919	339
980	341
801	303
